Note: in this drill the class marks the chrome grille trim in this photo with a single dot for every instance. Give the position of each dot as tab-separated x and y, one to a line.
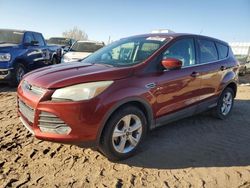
26	111
47	119
32	89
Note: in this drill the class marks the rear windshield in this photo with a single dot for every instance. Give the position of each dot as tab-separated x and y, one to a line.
59	41
86	47
8	36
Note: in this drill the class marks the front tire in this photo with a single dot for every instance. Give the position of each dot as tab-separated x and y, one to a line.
123	133
19	72
225	104
54	61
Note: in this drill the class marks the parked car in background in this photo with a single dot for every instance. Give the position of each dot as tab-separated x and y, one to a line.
241	51
114	96
244	61
80	50
64	43
23	51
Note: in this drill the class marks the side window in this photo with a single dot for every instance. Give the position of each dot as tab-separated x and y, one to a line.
28	38
207	50
223	50
183	50
39	39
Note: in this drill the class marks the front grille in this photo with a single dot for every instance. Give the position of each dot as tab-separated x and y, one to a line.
32	89
47	119
26	111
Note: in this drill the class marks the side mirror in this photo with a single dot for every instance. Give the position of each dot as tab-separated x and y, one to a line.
32	43
171	63
66	49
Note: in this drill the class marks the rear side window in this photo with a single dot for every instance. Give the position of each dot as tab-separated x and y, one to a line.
39	39
222	50
207	51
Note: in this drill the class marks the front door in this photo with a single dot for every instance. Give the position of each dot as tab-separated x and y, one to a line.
179	89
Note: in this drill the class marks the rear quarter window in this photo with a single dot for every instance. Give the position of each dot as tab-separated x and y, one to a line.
222	50
207	51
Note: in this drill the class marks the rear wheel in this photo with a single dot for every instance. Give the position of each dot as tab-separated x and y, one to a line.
123	133
243	72
225	104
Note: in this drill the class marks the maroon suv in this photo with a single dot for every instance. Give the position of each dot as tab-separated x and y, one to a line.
113	97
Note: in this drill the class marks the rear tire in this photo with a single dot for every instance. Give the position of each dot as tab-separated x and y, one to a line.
243	73
123	133
225	104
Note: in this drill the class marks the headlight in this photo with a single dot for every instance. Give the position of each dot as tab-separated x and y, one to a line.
81	91
5	56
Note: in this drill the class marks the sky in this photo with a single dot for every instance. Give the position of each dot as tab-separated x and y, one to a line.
227	20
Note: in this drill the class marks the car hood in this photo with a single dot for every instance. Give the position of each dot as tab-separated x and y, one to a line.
62	75
76	55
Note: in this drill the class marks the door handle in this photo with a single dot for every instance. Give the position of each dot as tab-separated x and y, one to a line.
195	74
222	68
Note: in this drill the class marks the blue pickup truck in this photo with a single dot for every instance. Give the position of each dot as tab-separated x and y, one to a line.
23	51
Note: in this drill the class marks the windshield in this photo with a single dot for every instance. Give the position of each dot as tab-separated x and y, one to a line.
127	52
59	41
89	47
8	36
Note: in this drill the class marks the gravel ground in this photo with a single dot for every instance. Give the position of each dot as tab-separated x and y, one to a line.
199	151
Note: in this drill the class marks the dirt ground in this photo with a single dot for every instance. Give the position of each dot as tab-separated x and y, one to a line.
200	151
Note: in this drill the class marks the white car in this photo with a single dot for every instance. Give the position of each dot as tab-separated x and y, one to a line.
80	50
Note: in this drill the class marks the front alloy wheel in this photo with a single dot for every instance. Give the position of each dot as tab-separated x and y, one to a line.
123	133
127	133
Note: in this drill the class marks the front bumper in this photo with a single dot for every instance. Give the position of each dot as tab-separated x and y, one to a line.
5	74
83	118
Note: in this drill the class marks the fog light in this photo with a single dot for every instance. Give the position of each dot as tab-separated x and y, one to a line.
58	130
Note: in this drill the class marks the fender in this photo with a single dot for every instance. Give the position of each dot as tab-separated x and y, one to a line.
140	100
229	78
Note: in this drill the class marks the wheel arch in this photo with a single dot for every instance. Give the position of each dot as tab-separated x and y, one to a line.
233	86
140	103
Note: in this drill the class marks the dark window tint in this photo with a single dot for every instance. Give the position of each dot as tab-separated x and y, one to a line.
28	38
39	39
207	50
223	50
183	50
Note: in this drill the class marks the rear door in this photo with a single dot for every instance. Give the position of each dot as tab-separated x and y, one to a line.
179	89
213	64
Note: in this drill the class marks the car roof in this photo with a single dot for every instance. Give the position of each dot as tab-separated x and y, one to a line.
176	35
90	41
18	30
